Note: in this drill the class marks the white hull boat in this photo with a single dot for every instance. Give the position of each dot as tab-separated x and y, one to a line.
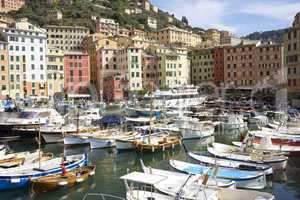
236	153
97	143
210	160
75	140
243	179
196	134
216	182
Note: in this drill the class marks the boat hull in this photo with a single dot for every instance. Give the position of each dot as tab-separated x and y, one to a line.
124	145
75	140
52	138
101	143
18	181
188	134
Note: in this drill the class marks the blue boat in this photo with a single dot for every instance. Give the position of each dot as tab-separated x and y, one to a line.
19	177
243	179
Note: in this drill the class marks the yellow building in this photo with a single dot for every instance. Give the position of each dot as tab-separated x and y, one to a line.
174	35
173	66
55	71
213	35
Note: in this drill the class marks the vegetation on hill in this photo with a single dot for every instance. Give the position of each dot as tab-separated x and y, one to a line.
80	12
275	35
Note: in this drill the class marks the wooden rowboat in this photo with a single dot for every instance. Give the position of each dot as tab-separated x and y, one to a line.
57	181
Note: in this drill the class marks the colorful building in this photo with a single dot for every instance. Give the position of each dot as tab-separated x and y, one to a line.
27	62
149	75
107	27
66	38
291	40
55	71
11	5
77	72
218	71
213	35
113	89
4	69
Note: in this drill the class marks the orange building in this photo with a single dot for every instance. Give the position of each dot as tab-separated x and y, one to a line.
218	56
4	69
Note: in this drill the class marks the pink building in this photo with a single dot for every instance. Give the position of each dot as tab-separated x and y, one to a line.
77	72
10	5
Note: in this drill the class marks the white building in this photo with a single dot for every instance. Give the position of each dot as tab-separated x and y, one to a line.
152	22
27	62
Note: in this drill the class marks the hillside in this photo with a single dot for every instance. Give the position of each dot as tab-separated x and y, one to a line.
80	12
274	35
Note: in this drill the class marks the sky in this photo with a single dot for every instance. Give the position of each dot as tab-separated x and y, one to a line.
240	17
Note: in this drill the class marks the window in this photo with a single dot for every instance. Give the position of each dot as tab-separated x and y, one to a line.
32	76
32	48
2	57
2	68
23	49
11	58
32	57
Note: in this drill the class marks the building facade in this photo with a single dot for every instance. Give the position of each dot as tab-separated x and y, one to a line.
66	38
27	62
4	69
77	72
108	27
202	66
174	35
291	42
11	5
55	71
213	35
112	90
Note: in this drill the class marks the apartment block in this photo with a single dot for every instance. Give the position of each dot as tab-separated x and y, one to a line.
108	27
253	65
174	35
292	60
202	66
150	67
152	22
11	5
77	72
55	71
27	62
66	38
173	66
112	90
213	35
4	70
218	71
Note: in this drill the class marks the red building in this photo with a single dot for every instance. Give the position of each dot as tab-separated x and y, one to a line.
218	55
77	72
112	88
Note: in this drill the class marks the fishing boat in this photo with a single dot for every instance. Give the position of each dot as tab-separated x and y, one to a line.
54	134
216	182
236	153
109	140
278	136
243	178
232	122
83	138
56	181
197	130
210	160
267	145
19	177
157	142
168	188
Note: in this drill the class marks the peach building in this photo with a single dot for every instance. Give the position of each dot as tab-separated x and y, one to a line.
112	90
11	5
4	69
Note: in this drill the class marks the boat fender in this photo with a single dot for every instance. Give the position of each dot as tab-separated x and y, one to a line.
63	183
152	149
163	147
92	173
79	180
172	145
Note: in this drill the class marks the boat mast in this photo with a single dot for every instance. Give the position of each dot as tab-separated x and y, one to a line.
77	121
151	108
39	143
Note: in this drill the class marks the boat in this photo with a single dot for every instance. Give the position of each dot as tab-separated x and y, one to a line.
233	121
109	140
216	182
83	138
157	142
267	145
243	178
90	115
2	149
167	188
54	134
210	160
198	130
236	153
19	177
67	179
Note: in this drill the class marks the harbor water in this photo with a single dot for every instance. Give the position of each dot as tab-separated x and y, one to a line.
112	164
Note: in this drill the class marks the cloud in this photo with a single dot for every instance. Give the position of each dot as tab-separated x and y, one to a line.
279	10
202	13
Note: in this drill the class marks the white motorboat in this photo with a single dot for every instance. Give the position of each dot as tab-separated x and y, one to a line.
210	160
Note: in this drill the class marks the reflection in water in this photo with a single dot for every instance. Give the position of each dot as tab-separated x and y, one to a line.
112	164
